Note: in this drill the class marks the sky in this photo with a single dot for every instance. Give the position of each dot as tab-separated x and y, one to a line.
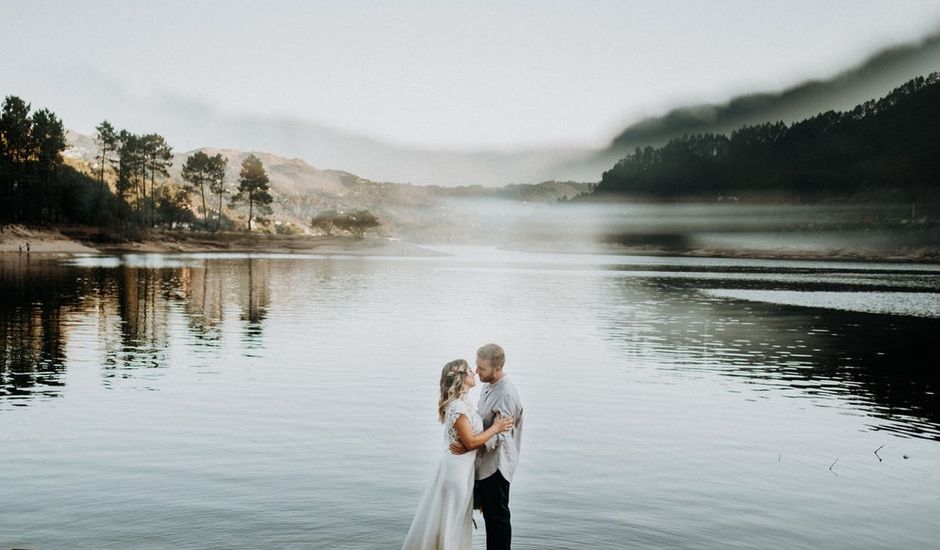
441	75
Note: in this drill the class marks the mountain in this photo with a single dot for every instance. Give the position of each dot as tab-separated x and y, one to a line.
874	77
879	151
300	191
194	123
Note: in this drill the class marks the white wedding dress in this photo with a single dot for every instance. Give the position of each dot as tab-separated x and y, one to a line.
443	520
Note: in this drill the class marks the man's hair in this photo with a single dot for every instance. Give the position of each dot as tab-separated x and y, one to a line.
492	353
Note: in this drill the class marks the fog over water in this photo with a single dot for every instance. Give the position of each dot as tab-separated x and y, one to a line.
844	230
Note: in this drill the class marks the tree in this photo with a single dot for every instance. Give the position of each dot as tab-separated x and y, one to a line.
358	223
47	141
216	169
325	221
31	152
132	171
174	205
15	129
880	148
196	173
127	167
157	158
253	187
202	171
107	140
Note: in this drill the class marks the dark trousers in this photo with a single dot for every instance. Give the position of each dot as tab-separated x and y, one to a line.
494	497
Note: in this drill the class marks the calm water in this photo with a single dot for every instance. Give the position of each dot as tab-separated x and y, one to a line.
193	401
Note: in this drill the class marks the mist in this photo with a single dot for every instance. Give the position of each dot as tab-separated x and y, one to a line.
727	229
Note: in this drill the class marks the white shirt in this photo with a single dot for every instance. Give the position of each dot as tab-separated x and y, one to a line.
501	451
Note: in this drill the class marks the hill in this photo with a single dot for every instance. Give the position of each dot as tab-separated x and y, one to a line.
300	191
873	77
880	150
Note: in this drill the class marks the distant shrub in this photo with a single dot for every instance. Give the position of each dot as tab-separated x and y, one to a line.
354	223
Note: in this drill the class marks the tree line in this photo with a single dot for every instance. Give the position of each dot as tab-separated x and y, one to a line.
882	149
129	187
31	146
136	160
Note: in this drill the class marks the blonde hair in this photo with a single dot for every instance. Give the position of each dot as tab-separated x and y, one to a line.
452	385
494	354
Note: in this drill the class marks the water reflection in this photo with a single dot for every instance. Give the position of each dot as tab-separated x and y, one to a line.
141	299
680	316
879	363
32	356
130	307
256	295
204	302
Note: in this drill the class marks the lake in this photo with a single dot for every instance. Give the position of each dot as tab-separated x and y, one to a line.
289	401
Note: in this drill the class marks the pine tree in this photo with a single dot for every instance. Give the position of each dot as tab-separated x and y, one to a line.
195	172
217	166
157	159
15	129
107	140
253	187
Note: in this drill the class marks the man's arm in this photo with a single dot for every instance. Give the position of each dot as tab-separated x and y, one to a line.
505	405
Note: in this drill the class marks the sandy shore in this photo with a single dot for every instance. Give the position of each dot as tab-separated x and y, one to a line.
75	240
16	239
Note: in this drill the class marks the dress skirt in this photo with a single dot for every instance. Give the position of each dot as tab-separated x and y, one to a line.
444	517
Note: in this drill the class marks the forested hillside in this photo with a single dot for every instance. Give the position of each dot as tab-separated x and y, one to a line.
885	149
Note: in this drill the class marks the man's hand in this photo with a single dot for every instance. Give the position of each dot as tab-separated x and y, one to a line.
458	448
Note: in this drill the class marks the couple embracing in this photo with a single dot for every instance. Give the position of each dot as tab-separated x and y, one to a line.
481	446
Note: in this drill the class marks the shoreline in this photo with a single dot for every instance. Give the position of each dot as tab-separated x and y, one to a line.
81	240
841	255
923	255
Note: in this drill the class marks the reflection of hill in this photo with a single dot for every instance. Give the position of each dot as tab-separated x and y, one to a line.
879	363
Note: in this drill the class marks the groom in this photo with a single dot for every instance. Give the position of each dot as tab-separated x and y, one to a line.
496	462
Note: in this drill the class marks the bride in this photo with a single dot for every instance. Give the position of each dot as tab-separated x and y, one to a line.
443	519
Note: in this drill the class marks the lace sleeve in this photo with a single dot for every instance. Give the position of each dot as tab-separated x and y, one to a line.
454	410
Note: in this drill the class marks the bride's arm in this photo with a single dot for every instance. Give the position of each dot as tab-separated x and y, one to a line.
473	441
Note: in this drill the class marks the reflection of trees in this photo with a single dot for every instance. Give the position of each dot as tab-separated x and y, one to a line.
142	305
255	297
126	315
203	289
882	362
34	298
206	288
